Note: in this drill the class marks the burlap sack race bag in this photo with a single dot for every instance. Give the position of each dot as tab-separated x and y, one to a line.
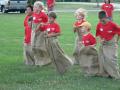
77	48
108	59
61	61
28	55
88	60
78	44
39	48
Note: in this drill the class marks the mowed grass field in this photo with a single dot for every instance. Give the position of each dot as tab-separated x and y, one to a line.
15	75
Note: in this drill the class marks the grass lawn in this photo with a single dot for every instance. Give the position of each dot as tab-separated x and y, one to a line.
75	6
14	75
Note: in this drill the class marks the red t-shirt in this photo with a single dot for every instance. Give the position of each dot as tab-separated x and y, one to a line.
28	30
49	2
77	24
53	28
108	8
88	39
40	18
107	31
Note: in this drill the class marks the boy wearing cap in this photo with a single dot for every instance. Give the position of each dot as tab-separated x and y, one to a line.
88	57
58	57
108	34
38	40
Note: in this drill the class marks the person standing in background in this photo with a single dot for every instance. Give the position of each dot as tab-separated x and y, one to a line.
50	5
108	8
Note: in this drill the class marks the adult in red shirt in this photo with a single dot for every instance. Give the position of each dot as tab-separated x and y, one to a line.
58	57
108	8
50	5
28	55
38	40
108	34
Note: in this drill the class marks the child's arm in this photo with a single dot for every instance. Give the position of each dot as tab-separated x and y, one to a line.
39	25
75	29
117	40
30	21
42	24
99	40
117	28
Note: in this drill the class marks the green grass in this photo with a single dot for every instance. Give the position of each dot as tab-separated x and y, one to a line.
75	6
14	75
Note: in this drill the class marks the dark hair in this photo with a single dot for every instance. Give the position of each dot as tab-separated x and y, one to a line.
30	6
102	14
108	1
52	14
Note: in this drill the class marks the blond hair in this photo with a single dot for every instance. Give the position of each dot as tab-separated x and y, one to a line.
80	11
39	4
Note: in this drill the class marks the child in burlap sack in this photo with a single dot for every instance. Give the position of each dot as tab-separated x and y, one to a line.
40	19
80	15
88	56
61	61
